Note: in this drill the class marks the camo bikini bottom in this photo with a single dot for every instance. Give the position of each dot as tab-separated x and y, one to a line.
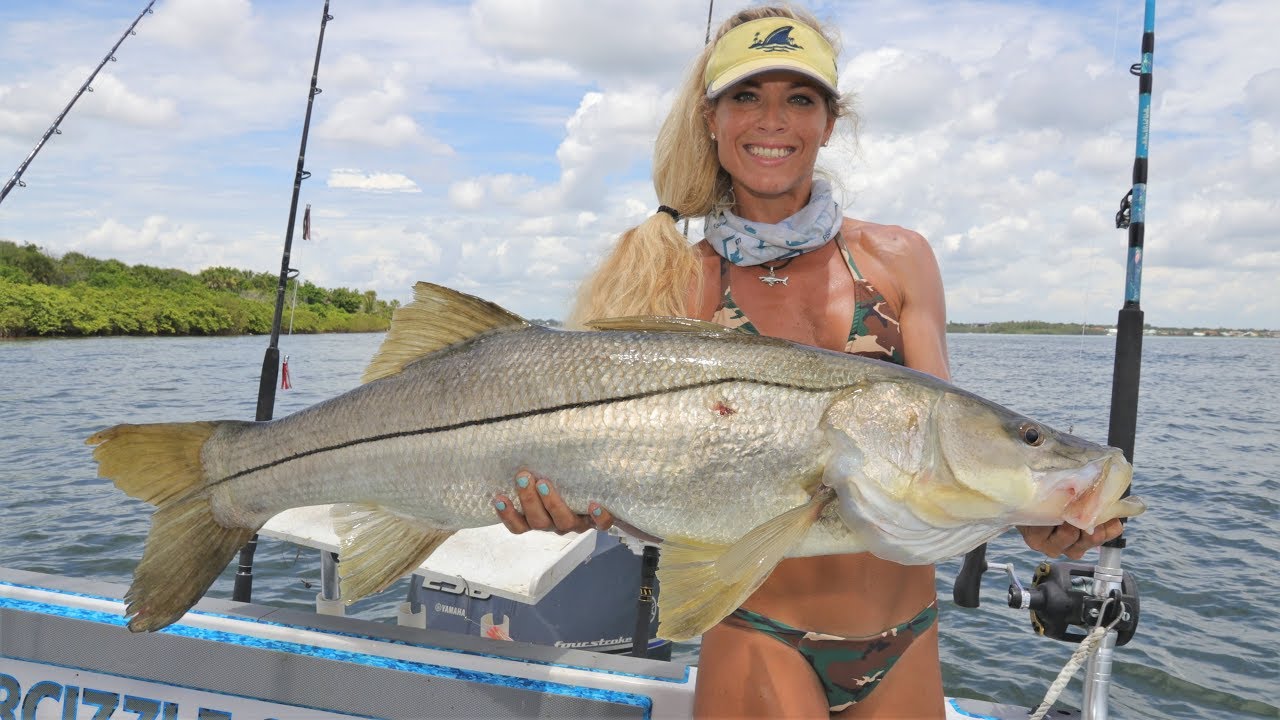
849	668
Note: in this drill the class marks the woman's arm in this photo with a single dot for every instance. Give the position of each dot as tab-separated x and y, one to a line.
923	315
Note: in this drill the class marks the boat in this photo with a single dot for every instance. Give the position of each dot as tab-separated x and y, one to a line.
65	653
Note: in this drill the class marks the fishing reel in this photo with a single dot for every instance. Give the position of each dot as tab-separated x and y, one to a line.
1060	597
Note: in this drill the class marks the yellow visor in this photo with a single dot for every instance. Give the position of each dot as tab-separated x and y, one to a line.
769	44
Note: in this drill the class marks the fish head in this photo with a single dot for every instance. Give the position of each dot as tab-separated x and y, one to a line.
924	470
1041	476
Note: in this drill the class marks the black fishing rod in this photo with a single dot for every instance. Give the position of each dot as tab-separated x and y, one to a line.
16	179
1065	596
243	589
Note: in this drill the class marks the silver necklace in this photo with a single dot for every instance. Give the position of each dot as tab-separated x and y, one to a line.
771	279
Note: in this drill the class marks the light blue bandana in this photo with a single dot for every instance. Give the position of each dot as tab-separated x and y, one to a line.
743	242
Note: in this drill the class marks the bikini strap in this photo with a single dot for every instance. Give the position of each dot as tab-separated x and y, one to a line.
724	280
848	257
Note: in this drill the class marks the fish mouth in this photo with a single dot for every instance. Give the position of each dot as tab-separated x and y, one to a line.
1104	498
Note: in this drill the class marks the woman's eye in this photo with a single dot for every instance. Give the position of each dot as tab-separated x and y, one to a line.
744	96
802	100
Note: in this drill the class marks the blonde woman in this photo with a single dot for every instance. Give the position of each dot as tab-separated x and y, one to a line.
852	635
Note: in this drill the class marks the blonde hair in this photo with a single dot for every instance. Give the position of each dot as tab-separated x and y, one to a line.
652	267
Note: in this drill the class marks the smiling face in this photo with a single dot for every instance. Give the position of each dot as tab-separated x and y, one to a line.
768	129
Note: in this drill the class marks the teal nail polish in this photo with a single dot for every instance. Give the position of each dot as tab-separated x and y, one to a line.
543	489
500	505
596	512
523	481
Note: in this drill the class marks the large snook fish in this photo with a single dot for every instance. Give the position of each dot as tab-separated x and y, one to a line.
735	450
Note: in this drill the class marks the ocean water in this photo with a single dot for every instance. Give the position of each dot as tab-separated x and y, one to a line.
1207	461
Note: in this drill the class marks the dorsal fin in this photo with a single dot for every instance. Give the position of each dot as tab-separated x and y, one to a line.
437	318
654	323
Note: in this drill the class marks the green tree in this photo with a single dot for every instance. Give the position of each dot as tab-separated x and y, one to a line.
346	300
80	295
76	267
310	294
28	258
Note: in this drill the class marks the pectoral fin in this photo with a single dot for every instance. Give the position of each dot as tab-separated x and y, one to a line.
377	547
702	583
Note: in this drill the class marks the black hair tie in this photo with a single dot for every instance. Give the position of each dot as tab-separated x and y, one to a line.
675	214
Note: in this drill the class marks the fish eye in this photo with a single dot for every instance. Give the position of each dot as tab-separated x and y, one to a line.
1031	434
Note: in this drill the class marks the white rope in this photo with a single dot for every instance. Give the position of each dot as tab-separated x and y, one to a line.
1069	670
1087	646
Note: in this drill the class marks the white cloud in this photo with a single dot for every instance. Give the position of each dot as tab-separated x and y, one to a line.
904	90
466	194
619	39
121	103
196	25
606	136
156	240
372	181
376	117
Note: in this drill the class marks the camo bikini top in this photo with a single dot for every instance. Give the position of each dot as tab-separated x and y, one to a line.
875	332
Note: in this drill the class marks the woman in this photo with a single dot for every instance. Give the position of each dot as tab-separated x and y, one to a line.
779	259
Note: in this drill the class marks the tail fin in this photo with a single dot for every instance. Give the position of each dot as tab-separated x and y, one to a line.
187	548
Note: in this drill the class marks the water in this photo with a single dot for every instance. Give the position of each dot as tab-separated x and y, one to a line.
1207	461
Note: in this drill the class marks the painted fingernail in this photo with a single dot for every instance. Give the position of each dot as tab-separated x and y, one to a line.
596	511
500	505
522	481
543	489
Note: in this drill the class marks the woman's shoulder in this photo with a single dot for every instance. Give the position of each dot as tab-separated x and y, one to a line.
708	257
901	259
886	242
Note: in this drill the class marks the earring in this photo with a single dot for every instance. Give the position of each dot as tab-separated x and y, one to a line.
713	137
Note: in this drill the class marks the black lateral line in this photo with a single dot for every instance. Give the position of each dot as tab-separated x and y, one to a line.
514	416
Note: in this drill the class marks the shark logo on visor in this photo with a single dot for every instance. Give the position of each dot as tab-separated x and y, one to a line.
777	41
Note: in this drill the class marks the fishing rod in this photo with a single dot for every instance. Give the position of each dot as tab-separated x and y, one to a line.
1068	595
16	178
243	588
1108	576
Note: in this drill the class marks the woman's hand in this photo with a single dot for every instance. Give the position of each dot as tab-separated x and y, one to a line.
544	509
1069	540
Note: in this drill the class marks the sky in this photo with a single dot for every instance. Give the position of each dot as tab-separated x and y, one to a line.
500	146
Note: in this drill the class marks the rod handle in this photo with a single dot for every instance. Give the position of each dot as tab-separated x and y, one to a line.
969	579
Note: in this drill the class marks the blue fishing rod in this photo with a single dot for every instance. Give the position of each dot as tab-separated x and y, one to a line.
243	589
54	129
1108	576
1067	597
